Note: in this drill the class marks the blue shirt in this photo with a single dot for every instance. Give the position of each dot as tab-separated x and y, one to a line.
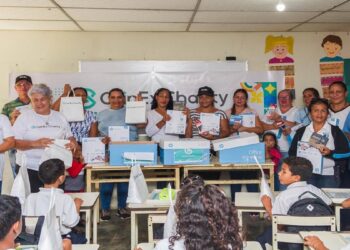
346	128
303	116
114	117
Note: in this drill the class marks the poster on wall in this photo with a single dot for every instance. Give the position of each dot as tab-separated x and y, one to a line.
261	86
332	64
282	49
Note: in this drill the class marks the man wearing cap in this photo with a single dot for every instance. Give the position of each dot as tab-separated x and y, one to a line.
22	86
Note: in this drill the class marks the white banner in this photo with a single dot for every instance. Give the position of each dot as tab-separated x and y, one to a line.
261	86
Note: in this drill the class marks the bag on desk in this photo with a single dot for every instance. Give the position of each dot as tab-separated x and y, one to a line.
72	108
138	191
171	218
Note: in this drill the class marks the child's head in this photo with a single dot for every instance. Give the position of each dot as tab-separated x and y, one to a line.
10	217
192	179
295	169
270	140
332	45
51	171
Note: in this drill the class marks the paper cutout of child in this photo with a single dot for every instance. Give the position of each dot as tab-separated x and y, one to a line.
280	46
332	45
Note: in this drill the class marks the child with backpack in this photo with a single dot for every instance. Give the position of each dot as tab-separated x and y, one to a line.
295	173
52	174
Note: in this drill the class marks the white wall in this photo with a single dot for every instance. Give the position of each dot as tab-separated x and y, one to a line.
33	51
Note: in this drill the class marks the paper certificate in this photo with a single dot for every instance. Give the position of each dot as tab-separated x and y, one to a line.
311	153
118	133
210	123
177	123
93	150
246	120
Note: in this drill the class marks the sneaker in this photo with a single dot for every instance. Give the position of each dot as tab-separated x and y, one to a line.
105	215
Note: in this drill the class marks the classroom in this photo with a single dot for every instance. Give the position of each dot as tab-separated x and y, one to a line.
187	124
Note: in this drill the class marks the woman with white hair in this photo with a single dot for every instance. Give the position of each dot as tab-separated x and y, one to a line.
38	128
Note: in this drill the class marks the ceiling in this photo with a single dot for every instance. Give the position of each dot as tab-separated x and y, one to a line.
175	15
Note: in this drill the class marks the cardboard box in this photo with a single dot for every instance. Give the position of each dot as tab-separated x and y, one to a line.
240	149
184	151
124	153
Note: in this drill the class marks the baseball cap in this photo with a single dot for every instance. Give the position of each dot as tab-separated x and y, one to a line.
205	91
24	77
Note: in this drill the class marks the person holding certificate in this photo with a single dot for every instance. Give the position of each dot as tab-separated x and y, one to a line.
158	116
243	119
327	139
207	121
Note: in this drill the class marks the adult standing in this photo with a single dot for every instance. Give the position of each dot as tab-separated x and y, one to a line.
240	107
11	109
340	116
303	116
114	116
333	142
281	122
37	128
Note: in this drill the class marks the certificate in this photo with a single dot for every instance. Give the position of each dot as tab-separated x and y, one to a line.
210	123
118	133
246	120
93	150
311	153
177	123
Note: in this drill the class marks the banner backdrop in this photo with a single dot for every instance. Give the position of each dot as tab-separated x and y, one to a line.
261	86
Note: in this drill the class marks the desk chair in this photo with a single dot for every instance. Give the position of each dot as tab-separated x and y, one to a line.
154	219
282	236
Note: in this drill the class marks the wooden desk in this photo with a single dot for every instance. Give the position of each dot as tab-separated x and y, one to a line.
148	207
90	206
114	174
232	168
337	195
332	240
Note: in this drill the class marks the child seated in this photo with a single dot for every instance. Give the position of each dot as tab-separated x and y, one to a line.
52	174
295	173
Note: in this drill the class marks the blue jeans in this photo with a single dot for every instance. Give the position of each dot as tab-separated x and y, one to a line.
106	194
237	187
324	181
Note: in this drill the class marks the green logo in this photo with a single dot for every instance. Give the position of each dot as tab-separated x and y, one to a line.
90	99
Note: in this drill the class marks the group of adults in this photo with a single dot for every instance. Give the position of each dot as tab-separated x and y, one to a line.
30	130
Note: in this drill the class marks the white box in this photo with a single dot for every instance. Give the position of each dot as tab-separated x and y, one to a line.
242	139
177	123
135	112
119	133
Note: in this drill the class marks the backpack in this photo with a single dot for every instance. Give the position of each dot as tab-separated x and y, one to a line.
309	207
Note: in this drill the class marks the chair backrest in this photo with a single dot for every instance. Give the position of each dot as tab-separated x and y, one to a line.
155	219
282	236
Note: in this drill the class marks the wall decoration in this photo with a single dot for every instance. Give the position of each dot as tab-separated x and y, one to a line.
331	65
282	49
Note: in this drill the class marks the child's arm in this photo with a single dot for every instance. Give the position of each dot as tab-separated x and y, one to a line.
314	242
78	202
346	203
266	201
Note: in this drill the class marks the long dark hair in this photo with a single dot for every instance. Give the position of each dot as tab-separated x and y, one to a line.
245	93
207	219
273	135
154	103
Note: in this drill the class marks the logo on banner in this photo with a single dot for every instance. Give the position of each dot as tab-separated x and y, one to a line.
261	93
90	103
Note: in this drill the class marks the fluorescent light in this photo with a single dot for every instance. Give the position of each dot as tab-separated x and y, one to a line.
280	6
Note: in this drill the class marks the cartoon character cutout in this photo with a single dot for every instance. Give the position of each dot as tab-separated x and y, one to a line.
280	46
332	45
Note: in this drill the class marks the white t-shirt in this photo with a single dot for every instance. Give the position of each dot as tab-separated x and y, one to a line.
291	116
37	204
32	126
328	163
288	197
153	131
341	116
5	132
164	245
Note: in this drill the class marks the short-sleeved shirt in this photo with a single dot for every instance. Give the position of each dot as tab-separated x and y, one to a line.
153	131
32	126
114	117
288	197
341	115
37	204
10	106
196	116
81	129
303	116
5	132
